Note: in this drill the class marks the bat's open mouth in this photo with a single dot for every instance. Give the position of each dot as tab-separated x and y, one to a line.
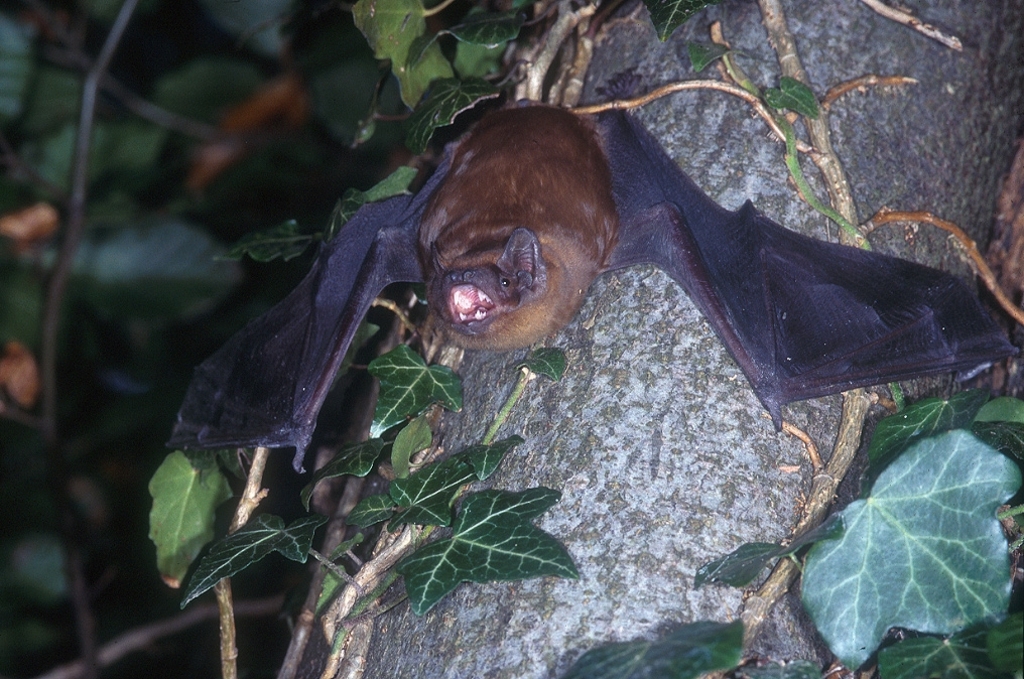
468	304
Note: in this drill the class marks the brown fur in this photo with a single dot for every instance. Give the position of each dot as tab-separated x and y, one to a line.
537	167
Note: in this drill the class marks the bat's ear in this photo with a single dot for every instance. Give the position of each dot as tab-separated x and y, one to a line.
522	254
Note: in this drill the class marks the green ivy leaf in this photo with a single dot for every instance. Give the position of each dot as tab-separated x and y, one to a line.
413	438
488	29
408	386
684	653
354	459
370	510
252	542
1002	409
1006	437
427	495
924	551
207	86
391	27
477	61
921	420
701	56
546	361
447	99
52	102
792	95
16	66
741	566
159	269
394	184
963	655
1005	644
419	47
484	459
185	499
283	241
668	15
492	540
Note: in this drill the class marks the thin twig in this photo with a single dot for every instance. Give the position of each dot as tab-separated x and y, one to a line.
671	88
251	497
812	450
71	57
438	9
855	402
142	637
398	311
909	20
13	161
50	331
978	263
823	487
863	82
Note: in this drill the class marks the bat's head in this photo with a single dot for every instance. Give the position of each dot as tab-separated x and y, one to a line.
518	228
480	294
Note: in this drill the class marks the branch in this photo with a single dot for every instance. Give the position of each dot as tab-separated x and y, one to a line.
141	637
978	263
50	333
703	84
907	19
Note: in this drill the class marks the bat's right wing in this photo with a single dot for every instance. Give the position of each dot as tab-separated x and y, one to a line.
802	317
266	385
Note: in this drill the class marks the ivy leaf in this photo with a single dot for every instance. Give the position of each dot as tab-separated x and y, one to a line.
428	494
484	459
447	99
488	29
1006	437
283	241
1005	644
394	184
924	551
391	27
413	438
546	361
962	655
687	652
1002	409
255	540
492	540
370	510
701	56
921	420
792	95
181	521
668	15
408	386
741	566
16	58
355	459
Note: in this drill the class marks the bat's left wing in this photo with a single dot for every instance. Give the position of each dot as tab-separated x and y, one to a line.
266	385
802	317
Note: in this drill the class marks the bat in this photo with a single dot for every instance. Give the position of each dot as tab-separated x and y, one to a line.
521	216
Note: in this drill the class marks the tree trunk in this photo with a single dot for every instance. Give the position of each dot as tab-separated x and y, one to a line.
664	457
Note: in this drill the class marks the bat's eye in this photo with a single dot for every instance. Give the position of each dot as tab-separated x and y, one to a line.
504	282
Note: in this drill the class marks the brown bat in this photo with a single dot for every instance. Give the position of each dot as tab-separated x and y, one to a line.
509	233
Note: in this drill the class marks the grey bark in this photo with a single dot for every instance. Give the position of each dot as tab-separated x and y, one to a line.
664	457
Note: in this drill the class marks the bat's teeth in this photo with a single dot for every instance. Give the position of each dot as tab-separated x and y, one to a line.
469	303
